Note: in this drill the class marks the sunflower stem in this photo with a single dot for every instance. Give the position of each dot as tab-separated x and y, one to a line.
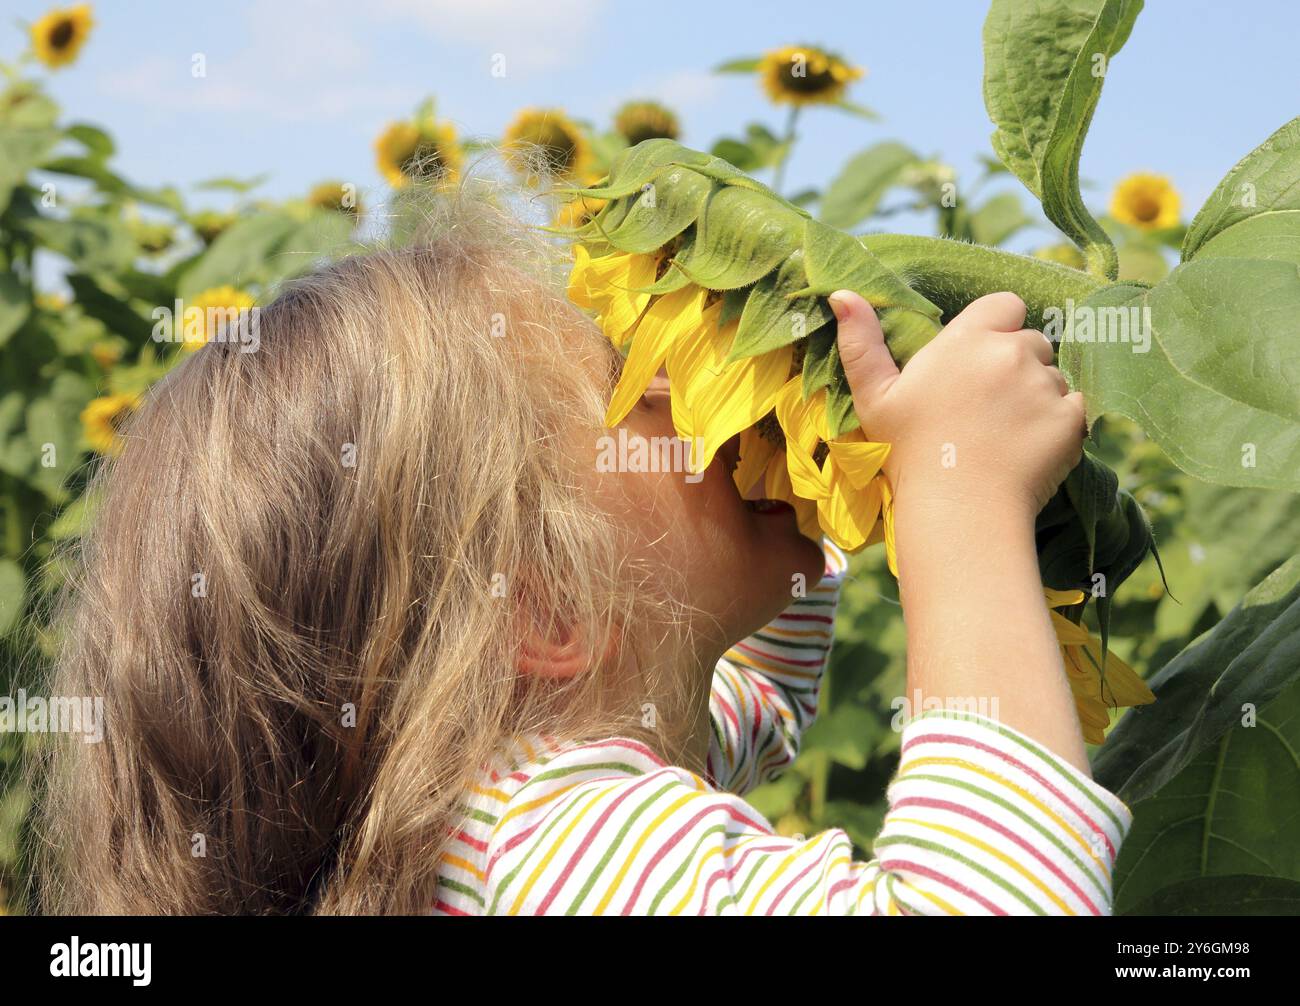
787	143
951	274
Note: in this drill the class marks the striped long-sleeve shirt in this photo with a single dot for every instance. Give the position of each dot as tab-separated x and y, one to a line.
981	819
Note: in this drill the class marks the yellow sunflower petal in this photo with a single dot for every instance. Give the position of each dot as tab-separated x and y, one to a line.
672	317
756	452
714	400
859	460
777	486
848	514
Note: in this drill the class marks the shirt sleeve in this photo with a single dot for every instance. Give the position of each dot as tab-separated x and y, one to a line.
982	820
765	688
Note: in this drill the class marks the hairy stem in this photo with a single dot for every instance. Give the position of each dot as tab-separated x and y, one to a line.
953	273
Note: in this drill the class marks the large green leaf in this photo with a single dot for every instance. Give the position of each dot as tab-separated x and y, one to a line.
1248	660
1212	769
857	190
1044	64
1263	186
1218	387
1236	894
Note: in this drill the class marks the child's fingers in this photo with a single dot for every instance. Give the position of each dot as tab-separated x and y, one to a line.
868	365
994	312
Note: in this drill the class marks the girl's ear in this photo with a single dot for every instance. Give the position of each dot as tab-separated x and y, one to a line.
563	653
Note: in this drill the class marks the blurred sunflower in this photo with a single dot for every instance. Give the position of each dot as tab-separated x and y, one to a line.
1146	201
577	211
103	417
1095	694
336	196
217	305
545	140
646	120
53	302
805	75
424	149
210	224
107	352
59	35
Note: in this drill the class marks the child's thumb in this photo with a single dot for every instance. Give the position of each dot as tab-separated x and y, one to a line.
869	367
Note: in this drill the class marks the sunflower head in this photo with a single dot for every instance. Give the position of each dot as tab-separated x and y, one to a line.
59	35
805	75
421	150
103	418
210	224
545	141
338	196
1146	201
217	305
646	120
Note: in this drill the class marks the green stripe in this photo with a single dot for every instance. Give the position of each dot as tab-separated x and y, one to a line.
935	847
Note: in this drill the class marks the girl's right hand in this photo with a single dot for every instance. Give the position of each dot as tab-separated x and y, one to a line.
980	415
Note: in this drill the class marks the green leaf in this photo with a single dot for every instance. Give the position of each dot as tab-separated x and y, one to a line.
97	142
1142	262
1044	64
746	65
861	111
15	305
1237	894
1217	387
1211	768
1247	661
739	237
651	222
858	188
13	595
1273	236
773	316
1264	183
997	219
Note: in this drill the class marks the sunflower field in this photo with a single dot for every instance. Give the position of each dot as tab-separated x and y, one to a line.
1170	557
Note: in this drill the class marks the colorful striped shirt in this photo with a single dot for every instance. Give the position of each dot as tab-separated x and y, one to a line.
981	819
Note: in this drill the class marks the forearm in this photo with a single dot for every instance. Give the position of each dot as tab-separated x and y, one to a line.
977	624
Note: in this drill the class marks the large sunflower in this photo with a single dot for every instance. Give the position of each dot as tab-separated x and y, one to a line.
59	35
103	417
546	141
1149	202
424	149
805	75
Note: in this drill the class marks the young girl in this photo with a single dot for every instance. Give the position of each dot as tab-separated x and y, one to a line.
374	634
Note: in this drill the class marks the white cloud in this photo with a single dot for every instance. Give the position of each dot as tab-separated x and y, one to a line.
531	34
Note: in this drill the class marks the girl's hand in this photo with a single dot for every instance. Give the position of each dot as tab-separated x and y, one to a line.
980	414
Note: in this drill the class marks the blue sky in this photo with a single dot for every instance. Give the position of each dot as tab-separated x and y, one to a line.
300	89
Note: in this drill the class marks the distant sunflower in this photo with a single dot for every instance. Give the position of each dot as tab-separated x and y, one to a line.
806	75
59	35
335	196
103	418
210	224
546	139
1146	201
427	150
646	120
218	304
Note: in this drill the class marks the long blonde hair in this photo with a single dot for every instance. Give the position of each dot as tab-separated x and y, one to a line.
300	597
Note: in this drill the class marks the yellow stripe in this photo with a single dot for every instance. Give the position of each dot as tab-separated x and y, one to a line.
1019	791
550	855
631	856
449	860
717	850
792	857
979	844
754	663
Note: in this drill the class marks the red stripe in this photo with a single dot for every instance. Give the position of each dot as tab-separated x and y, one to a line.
924	871
1040	779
